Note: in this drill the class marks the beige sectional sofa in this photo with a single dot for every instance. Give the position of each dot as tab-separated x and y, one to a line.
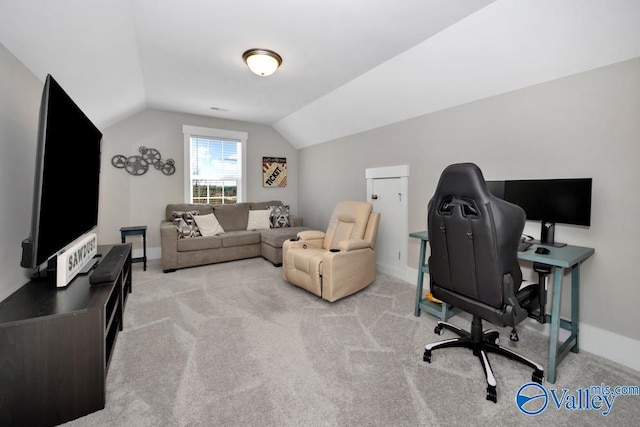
236	242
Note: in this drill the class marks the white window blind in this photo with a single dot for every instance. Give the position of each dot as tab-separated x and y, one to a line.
212	159
215	166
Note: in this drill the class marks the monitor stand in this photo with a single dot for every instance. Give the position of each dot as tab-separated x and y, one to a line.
547	232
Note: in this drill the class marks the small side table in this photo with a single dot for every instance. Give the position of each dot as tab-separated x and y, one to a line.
137	230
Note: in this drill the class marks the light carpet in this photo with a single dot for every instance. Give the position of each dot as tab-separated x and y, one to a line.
233	344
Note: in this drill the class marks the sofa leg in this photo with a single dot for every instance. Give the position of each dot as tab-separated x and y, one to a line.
171	270
275	264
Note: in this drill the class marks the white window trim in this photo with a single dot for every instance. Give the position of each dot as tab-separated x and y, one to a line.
224	135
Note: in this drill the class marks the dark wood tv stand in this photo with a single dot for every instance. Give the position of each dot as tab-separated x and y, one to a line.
56	345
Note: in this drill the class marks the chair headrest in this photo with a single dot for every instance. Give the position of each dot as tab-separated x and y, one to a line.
464	181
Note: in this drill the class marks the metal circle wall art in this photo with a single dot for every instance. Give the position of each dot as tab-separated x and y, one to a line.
169	167
151	155
119	161
139	164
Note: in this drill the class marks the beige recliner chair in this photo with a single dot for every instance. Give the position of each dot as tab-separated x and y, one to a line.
337	263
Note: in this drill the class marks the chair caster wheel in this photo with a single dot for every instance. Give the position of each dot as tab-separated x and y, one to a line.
439	330
492	337
537	376
427	356
492	395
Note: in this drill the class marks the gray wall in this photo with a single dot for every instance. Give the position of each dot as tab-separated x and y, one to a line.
20	92
140	200
586	125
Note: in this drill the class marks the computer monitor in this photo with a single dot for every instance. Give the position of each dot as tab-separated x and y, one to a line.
551	201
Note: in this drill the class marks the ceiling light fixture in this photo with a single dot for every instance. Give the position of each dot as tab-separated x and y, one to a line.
262	62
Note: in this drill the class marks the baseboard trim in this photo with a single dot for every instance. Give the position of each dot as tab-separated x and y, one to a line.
394	272
612	346
603	343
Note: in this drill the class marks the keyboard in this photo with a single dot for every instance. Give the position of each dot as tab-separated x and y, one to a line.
523	246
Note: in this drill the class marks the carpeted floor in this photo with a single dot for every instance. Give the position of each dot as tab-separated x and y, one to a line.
233	344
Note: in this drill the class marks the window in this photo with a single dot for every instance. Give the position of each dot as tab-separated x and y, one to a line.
214	165
215	171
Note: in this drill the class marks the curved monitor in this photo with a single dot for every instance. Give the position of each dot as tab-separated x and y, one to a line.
67	177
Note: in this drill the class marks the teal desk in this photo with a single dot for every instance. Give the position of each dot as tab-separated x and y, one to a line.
561	259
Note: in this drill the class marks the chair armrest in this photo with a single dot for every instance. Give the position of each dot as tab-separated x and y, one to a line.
352	244
306	239
311	235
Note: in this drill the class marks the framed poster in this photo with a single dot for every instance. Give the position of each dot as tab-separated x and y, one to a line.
274	172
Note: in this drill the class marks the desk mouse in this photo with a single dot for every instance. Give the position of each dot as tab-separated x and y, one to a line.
542	250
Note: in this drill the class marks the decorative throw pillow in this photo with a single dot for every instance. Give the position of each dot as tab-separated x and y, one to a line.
186	225
185	231
279	216
259	219
208	225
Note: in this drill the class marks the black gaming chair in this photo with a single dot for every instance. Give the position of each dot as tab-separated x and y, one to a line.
474	266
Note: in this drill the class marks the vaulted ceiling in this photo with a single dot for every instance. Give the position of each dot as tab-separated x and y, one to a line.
349	66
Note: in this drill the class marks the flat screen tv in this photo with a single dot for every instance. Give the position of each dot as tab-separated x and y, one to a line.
551	201
67	177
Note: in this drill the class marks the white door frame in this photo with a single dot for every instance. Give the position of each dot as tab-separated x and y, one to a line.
402	172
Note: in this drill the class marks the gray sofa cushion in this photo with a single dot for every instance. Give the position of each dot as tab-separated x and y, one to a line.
258	206
224	240
239	238
199	243
232	217
276	236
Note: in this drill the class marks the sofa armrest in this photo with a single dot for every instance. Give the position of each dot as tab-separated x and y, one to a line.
168	231
352	244
168	245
